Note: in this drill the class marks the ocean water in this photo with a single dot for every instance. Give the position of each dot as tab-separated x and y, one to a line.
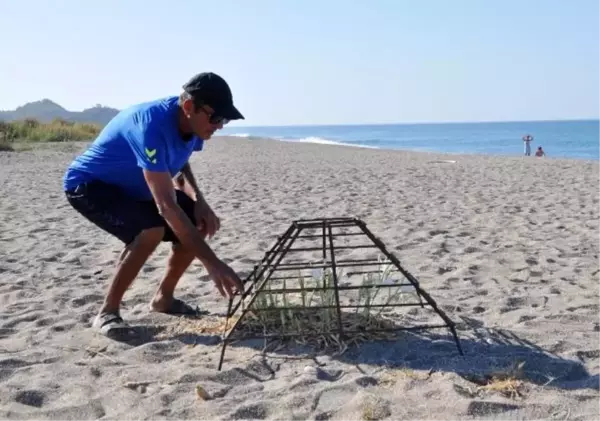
563	139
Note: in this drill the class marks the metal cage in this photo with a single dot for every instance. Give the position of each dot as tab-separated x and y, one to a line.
330	240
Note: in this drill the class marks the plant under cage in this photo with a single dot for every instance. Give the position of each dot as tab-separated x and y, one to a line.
330	283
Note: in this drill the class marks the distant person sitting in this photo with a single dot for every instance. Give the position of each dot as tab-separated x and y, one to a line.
540	152
527	139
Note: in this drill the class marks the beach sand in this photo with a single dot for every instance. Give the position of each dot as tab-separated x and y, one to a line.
507	246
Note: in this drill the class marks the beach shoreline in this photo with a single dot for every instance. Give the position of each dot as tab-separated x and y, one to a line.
566	139
507	246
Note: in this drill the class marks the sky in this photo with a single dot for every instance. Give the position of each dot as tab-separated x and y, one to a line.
303	62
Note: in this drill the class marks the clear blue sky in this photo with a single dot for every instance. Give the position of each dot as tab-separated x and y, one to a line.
312	62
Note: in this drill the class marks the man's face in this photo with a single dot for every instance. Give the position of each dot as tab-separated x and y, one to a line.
202	120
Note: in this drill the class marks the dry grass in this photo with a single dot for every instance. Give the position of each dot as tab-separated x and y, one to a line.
294	314
374	408
390	377
508	382
512	388
195	327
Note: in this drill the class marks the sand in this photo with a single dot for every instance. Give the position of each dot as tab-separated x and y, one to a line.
507	246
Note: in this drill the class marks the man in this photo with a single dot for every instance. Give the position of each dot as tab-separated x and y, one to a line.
135	182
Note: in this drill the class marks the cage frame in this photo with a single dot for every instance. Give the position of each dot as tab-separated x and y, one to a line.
253	285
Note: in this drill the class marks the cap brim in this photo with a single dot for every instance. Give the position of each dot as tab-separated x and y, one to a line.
231	113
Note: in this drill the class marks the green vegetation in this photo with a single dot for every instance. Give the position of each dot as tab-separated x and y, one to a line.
58	130
312	309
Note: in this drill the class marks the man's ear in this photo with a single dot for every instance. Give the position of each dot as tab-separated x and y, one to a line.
188	107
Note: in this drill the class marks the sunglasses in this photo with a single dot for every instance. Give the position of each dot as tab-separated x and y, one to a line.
214	118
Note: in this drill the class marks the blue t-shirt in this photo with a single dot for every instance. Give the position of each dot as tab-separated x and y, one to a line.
145	136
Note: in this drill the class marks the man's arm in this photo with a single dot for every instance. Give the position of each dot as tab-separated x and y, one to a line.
161	186
205	216
163	191
187	183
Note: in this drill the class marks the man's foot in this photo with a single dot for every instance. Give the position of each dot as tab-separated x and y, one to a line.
175	307
111	325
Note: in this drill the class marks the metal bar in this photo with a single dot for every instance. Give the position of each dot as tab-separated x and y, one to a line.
409	276
280	278
324	243
280	241
342	263
302	222
231	311
311	220
317	224
359	246
335	280
364	272
267	309
341	288
335	235
412	279
262	284
270	254
328	332
453	331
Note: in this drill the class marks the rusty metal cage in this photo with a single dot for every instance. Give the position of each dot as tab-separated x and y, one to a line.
327	247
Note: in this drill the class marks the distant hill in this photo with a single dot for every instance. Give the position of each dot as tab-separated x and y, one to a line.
47	110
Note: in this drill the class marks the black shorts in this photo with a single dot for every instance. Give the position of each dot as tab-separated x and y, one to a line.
108	207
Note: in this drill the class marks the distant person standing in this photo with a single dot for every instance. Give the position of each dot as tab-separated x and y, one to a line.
527	139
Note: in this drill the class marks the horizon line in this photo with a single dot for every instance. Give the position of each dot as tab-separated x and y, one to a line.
413	123
597	119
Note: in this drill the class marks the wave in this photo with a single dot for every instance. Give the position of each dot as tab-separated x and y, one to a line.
310	139
323	141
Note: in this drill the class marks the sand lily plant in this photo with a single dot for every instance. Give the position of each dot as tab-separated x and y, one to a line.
304	309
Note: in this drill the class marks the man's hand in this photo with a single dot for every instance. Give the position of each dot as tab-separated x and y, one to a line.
207	222
225	278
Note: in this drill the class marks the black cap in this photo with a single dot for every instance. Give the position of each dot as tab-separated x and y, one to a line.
212	90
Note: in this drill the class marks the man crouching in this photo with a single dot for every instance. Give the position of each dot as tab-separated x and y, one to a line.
125	183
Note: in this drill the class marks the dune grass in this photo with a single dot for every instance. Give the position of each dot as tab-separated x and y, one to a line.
31	130
295	313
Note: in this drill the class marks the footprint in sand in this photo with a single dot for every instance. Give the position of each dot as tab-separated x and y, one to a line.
535	274
445	269
33	398
86	299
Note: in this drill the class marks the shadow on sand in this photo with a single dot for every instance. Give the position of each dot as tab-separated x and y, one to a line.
485	351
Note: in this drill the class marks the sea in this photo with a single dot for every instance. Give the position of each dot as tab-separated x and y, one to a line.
578	139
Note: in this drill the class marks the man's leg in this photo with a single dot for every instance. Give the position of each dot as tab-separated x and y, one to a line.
179	260
136	224
130	263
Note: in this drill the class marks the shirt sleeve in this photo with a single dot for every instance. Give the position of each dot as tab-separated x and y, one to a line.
149	146
199	144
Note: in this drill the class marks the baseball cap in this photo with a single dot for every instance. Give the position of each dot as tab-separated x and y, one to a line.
212	90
